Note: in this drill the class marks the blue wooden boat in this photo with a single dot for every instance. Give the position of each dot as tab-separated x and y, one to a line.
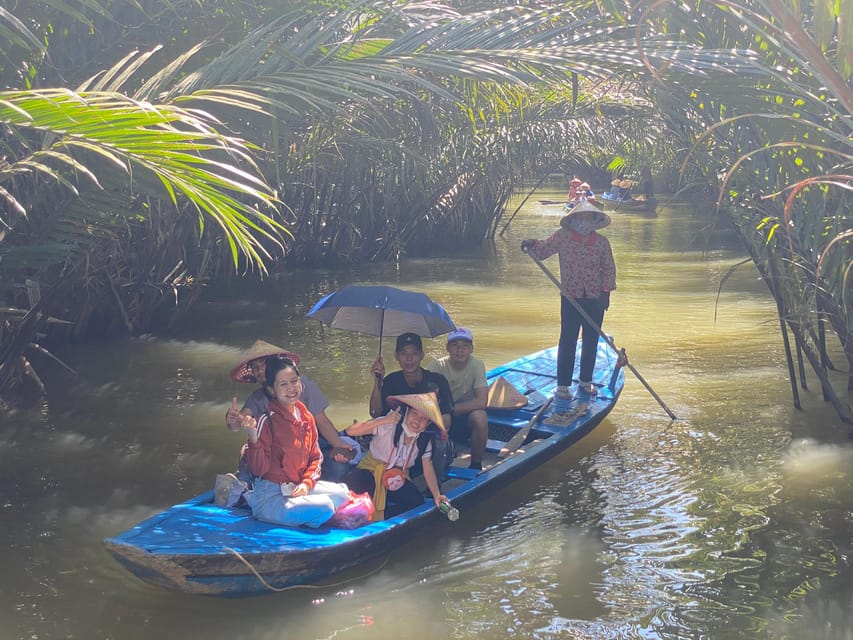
615	201
199	547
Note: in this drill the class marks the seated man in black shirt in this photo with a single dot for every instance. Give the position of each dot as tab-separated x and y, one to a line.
411	378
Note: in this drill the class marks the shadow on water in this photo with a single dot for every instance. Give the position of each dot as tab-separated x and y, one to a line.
733	521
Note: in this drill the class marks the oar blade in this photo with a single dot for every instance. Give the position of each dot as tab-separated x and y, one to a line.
518	439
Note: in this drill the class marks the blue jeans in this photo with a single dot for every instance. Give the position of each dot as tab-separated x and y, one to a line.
271	503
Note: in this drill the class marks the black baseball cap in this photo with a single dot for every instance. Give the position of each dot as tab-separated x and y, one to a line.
409	338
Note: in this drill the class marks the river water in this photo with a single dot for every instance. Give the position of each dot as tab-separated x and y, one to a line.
733	521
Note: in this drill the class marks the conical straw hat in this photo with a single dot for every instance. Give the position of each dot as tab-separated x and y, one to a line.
502	395
260	349
600	220
425	404
626	184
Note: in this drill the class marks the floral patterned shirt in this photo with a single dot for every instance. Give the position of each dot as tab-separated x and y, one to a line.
586	262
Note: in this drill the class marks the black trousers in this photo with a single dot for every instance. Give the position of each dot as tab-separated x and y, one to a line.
570	325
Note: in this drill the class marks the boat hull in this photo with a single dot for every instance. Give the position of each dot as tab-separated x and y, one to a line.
628	204
199	547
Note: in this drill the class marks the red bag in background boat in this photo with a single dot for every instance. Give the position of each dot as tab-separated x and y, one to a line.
355	513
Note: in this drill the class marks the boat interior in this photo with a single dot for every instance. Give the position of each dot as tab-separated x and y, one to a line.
459	471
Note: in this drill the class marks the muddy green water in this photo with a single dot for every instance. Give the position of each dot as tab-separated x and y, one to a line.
732	522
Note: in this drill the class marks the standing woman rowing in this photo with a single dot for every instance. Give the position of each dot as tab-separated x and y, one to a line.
587	276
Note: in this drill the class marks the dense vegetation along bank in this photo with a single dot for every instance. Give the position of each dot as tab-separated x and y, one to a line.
214	142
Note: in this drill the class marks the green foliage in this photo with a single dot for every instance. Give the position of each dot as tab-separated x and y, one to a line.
779	150
381	126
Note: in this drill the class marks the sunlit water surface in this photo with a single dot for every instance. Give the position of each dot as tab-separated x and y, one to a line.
732	522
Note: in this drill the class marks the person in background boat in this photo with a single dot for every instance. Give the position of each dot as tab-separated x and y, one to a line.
283	454
337	451
584	192
574	183
400	439
588	275
615	190
466	376
412	378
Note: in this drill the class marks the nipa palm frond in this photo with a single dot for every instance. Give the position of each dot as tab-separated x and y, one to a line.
189	158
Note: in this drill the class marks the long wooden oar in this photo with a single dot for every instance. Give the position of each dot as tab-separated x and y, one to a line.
535	187
607	338
521	435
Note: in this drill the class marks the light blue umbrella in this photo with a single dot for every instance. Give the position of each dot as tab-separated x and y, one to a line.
382	311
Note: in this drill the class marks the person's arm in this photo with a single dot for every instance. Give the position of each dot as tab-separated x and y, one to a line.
328	430
608	267
481	395
255	406
542	249
366	427
377	371
316	402
445	399
259	445
432	481
312	470
376	401
330	433
234	416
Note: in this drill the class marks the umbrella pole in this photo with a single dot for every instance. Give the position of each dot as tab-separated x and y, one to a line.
381	328
607	338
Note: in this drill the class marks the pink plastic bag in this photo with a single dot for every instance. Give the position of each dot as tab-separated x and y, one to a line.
355	513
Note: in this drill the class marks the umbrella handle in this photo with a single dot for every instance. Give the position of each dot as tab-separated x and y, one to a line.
381	329
377	374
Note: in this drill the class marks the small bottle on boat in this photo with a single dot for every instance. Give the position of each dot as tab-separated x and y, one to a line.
449	510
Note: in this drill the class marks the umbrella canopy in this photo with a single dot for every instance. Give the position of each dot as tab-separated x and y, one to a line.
382	311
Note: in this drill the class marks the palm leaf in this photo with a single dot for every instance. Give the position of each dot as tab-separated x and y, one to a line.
171	143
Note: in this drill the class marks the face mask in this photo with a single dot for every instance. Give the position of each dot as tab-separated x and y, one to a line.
583	226
407	430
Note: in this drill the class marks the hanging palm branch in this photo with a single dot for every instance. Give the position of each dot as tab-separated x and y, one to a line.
213	172
785	143
379	122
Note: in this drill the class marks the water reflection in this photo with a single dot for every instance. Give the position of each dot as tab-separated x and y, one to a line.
722	524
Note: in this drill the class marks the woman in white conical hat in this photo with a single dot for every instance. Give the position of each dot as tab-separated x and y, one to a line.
587	276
